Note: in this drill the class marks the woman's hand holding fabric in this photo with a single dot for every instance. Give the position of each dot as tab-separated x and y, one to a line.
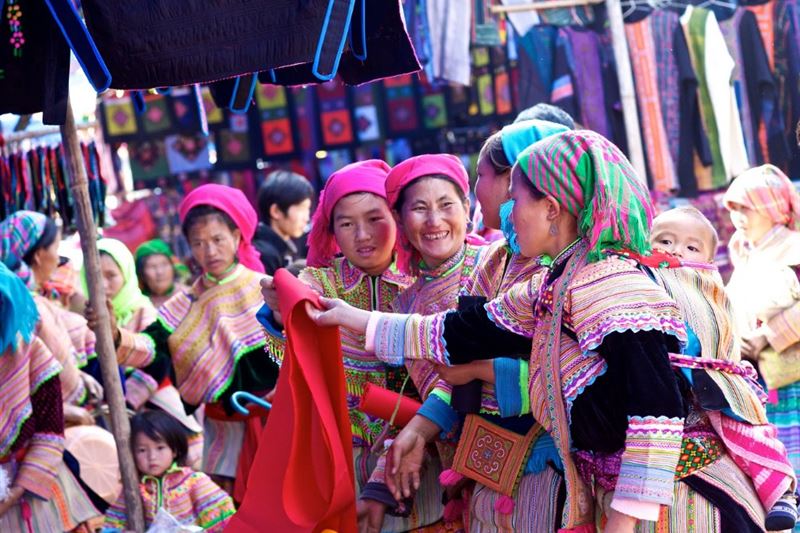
270	296
339	313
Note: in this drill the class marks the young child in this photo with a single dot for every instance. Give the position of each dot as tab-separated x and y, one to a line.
160	446
687	234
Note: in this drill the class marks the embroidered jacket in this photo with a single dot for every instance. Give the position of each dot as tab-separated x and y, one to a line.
191	497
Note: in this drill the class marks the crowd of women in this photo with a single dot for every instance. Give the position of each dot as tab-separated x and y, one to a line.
588	371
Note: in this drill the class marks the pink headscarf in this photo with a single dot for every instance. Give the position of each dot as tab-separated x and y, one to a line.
362	176
425	165
768	191
235	204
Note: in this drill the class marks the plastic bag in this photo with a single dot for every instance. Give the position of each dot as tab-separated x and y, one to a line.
166	523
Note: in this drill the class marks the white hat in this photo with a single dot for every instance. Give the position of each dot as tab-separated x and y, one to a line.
168	399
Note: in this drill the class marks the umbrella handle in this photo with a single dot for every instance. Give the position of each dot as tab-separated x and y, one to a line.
239	398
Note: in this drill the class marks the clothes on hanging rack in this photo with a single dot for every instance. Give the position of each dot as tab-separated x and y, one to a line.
36	180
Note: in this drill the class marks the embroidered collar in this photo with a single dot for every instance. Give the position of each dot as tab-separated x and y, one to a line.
446	267
351	275
229	275
561	258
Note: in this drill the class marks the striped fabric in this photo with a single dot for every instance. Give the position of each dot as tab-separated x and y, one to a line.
594	181
512	309
638	303
54	334
212	328
767	190
222	446
786	416
135	349
18	234
44	516
652	449
73	504
643	61
663	24
191	497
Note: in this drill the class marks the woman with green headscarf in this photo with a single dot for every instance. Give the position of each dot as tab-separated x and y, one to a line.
159	271
634	448
132	309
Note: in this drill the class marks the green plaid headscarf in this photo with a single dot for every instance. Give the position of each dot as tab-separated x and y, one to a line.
18	234
594	181
158	247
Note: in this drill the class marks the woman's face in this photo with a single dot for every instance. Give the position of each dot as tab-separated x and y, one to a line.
491	189
530	216
434	219
45	260
159	274
213	245
113	280
365	231
753	224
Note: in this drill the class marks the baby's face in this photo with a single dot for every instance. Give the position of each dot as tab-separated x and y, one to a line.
682	236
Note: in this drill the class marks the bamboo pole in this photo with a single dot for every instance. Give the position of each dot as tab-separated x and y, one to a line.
106	353
627	92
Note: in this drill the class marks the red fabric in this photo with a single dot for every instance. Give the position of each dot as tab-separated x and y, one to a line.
381	403
254	427
302	478
363	176
236	205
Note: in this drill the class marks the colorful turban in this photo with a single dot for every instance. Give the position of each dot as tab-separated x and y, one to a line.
17	309
425	165
235	204
768	191
363	176
129	299
515	138
18	234
593	181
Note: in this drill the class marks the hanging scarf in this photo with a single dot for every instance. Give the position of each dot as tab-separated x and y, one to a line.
158	247
130	298
767	191
235	204
594	181
364	176
18	234
515	138
17	309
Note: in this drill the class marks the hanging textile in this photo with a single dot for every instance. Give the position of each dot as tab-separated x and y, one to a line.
787	71
449	26
714	66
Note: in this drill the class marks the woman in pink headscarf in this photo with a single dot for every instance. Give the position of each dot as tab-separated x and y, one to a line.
207	335
764	287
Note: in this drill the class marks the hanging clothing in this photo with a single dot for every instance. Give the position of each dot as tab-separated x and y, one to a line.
584	60
642	48
449	24
714	66
787	72
190	497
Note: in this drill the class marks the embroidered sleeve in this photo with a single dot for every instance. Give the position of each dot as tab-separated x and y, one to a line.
511	386
276	341
513	310
37	471
652	450
116	515
438	410
135	349
213	507
399	337
783	330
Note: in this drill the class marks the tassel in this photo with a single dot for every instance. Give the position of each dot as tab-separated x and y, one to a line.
504	505
454	510
449	478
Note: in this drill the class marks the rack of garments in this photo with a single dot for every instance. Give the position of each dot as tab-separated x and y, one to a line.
33	175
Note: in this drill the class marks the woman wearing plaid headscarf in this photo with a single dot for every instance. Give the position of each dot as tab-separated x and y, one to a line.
764	286
632	448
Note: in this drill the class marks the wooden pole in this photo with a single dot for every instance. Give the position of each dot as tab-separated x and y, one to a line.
626	89
120	426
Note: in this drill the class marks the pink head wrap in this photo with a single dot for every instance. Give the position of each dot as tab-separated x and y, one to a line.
768	191
425	165
362	176
235	204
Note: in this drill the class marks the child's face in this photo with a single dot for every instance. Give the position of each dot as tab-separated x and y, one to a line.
753	224
153	457
683	236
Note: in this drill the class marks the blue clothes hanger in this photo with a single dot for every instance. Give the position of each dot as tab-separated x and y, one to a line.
239	398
